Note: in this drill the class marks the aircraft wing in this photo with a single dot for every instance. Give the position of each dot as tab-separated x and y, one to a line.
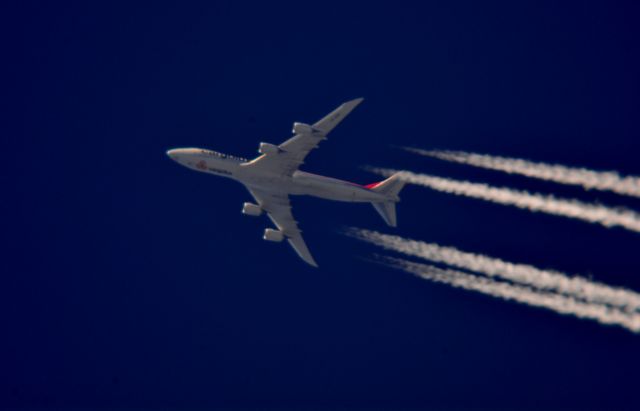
278	209
291	153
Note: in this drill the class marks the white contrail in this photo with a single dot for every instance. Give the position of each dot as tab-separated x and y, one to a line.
555	302
593	213
588	179
544	280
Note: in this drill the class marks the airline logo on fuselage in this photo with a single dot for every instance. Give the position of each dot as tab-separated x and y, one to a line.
203	166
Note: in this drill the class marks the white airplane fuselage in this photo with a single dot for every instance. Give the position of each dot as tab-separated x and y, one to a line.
274	176
300	183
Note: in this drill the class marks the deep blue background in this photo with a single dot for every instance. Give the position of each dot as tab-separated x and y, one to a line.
127	280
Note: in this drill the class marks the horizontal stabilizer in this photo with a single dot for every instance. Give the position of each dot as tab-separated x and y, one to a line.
387	211
390	188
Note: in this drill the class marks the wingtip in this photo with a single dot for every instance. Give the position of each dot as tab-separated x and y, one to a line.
355	101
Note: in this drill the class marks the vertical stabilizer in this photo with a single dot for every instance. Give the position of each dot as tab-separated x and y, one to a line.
390	187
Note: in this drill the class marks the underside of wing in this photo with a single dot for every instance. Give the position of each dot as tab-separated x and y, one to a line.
286	158
300	247
331	120
278	208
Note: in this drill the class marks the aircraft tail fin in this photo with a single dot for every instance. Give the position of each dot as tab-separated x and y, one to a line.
390	188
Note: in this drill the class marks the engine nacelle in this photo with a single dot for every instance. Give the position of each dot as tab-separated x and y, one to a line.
251	209
267	148
302	128
273	235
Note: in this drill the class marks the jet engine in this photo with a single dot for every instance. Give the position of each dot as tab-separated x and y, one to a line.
267	148
251	209
273	235
301	128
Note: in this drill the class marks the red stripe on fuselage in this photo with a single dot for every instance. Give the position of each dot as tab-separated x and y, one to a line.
368	186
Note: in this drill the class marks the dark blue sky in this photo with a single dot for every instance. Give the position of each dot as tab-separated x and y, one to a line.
127	280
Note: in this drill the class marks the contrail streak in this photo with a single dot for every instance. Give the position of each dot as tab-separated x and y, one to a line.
588	179
543	280
592	213
555	302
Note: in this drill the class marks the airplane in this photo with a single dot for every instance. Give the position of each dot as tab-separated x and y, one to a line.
274	176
